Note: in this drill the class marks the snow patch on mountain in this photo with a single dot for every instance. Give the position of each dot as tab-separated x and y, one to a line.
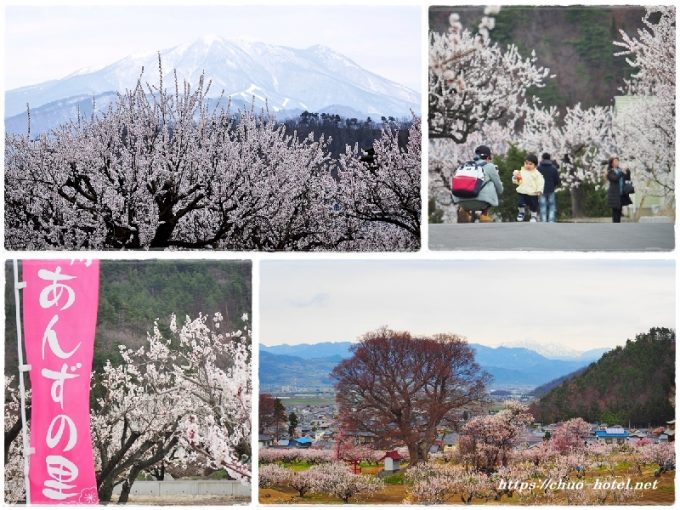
287	78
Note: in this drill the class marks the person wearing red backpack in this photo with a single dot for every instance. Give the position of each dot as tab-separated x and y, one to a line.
488	195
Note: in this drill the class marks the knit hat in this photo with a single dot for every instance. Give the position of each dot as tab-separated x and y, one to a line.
483	151
545	155
532	158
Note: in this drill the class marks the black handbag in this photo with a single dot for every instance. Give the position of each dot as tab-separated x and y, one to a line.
628	188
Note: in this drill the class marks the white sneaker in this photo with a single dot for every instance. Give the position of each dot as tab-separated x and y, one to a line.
533	219
520	216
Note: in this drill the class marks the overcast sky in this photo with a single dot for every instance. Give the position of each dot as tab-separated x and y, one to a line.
43	43
579	304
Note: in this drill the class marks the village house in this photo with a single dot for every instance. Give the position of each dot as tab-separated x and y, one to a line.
302	442
324	444
550	428
615	434
670	430
636	435
529	438
264	441
363	437
449	442
324	424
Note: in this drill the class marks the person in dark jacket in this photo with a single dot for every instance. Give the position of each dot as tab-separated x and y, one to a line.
616	198
551	177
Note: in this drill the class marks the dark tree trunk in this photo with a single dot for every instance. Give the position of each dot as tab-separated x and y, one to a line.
415	455
105	491
127	485
107	475
164	232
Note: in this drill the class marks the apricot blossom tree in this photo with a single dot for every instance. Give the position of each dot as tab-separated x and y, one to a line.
474	81
181	399
645	130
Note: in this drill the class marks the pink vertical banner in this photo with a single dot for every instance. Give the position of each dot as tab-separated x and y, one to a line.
60	303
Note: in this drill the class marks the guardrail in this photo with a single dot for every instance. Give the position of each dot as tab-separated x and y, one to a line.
188	488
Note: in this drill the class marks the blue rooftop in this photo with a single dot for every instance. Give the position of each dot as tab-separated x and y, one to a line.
605	434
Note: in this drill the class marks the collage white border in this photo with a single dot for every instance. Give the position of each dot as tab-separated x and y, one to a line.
257	258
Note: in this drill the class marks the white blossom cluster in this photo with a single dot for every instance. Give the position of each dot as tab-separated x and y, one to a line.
580	140
381	202
474	81
333	479
179	399
645	133
163	170
437	482
15	489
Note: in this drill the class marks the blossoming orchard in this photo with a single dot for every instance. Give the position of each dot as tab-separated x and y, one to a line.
484	93
162	169
491	463
413	422
180	403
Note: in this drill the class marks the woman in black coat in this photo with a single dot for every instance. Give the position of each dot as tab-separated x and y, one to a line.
616	198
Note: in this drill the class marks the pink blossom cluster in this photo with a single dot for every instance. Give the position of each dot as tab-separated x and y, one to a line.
288	455
337	480
487	441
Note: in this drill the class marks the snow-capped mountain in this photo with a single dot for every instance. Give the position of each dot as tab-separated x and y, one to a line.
561	352
313	79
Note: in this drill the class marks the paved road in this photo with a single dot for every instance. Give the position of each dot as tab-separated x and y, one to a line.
553	236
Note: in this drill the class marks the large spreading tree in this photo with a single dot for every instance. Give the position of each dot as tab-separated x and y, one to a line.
403	387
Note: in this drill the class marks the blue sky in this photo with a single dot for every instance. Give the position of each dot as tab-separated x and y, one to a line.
578	304
44	42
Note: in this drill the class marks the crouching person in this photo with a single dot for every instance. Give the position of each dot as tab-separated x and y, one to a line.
491	188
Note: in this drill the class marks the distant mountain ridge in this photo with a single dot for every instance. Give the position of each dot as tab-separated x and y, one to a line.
310	351
286	79
508	365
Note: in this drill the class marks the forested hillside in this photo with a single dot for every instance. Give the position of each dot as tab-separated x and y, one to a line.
574	42
635	384
341	132
541	390
135	293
